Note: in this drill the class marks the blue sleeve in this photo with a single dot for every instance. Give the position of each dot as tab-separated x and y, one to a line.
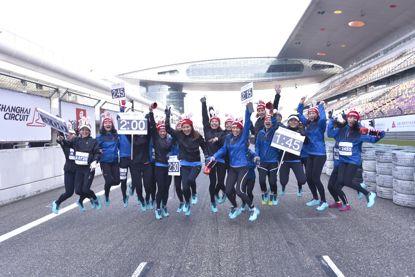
300	110
247	125
323	118
274	122
372	139
221	152
331	131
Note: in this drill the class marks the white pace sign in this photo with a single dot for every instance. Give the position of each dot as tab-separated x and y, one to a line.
247	93
118	91
132	124
288	141
55	122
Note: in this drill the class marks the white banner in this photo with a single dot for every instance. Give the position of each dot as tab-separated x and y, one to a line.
405	123
19	119
74	112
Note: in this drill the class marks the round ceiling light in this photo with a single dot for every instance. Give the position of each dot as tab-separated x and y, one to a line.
338	12
321	53
356	24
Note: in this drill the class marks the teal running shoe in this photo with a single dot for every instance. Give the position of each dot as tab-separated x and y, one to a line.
313	202
254	214
55	207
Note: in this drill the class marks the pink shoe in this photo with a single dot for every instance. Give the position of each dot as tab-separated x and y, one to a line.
345	208
334	205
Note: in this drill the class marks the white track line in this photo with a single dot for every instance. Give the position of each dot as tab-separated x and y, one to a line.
139	269
41	220
333	267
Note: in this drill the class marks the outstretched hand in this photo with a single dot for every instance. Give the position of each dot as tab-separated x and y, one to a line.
203	99
302	100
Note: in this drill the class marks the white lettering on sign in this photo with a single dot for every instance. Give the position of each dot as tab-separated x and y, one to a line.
174	166
55	122
81	158
288	141
247	93
132	124
345	148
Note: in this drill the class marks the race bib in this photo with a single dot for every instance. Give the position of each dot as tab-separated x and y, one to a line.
345	149
336	153
123	173
81	158
71	154
174	166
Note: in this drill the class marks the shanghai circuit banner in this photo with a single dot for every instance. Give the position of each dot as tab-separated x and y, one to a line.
19	119
405	123
75	112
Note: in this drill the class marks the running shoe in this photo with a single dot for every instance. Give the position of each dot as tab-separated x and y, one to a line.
313	202
322	207
55	207
93	204
221	200
213	208
107	202
125	201
180	208
264	198
275	200
282	193
164	212
187	209
300	193
335	205
98	203
371	199
254	214
81	206
243	207
143	206
150	205
359	194
345	208
271	198
234	213
158	214
194	199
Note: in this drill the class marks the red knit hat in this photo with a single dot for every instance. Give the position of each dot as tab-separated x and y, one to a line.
229	120
314	110
238	123
261	105
187	121
160	125
106	117
214	118
354	113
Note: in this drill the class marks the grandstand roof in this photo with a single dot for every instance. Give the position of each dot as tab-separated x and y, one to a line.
324	33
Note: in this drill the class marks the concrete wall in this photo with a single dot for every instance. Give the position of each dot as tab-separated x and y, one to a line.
29	171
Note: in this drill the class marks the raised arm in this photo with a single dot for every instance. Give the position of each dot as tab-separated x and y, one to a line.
205	115
300	111
322	123
247	124
276	99
169	129
331	131
152	124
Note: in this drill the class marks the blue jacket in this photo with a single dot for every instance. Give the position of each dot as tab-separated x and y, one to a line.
350	142
236	147
263	148
251	165
315	133
108	143
125	147
175	149
336	157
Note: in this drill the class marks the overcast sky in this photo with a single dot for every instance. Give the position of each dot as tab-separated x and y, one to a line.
112	37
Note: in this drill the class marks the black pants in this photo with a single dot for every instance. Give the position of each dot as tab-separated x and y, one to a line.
163	181
111	173
189	175
268	170
125	164
332	184
83	181
248	188
236	180
217	180
297	168
346	173
153	185
69	179
178	186
314	167
141	175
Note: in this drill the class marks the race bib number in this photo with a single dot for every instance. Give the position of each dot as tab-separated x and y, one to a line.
123	173
71	154
336	153
81	158
174	166
345	149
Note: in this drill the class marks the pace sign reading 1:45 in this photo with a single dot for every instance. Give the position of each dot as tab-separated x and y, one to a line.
288	141
132	124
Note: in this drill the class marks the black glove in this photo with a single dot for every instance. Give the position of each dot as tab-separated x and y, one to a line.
168	111
203	99
331	114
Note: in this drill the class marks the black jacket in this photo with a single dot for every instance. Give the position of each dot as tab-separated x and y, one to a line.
212	147
188	145
69	164
162	146
259	124
88	145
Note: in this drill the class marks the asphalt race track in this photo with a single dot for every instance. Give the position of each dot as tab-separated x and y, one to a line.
288	240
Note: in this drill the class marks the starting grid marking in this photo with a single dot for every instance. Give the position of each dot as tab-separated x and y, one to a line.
46	218
330	267
142	269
